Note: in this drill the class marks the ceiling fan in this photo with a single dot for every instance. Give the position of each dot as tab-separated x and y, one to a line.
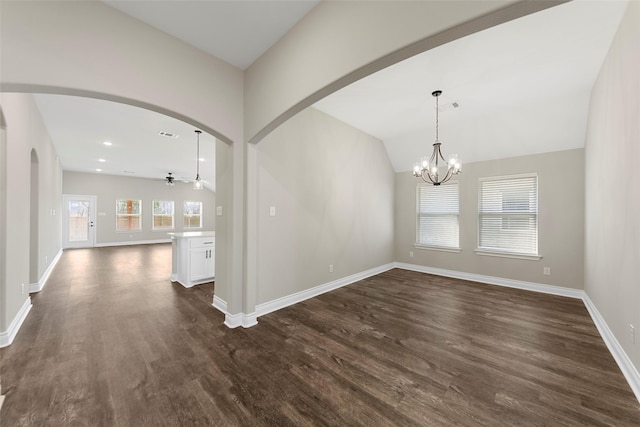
169	180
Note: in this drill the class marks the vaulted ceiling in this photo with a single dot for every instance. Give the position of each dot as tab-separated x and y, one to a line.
520	88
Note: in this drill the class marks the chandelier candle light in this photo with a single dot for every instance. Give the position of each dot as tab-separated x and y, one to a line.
197	184
429	168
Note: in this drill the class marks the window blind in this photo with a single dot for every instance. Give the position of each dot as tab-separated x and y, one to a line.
437	219
508	214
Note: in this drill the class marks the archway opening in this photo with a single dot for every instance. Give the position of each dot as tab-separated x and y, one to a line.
34	219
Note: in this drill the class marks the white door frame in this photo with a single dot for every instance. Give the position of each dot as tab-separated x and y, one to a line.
91	235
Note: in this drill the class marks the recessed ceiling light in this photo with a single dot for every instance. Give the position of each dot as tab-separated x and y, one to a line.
101	160
202	159
98	170
107	143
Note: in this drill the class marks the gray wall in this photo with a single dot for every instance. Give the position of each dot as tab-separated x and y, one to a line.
25	132
612	209
560	221
224	177
108	188
73	48
332	188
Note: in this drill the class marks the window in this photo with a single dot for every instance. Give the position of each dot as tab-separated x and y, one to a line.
437	221
508	215
192	214
163	214
128	215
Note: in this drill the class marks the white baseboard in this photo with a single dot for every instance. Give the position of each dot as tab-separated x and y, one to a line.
6	337
245	320
279	303
132	242
220	304
234	320
251	319
491	280
37	287
628	370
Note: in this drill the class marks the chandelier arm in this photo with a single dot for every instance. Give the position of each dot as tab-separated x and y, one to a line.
429	181
434	155
448	176
440	154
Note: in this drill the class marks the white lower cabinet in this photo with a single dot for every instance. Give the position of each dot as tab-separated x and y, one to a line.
201	263
193	257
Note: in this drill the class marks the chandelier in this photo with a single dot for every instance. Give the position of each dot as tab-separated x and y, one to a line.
197	183
431	169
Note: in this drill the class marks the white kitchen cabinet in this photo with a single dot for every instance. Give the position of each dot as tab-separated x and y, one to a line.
193	257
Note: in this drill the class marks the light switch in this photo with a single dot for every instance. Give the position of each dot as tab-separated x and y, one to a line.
272	211
219	210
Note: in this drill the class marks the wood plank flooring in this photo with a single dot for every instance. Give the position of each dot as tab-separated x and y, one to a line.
111	341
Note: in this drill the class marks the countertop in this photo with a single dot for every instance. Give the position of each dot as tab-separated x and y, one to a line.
194	234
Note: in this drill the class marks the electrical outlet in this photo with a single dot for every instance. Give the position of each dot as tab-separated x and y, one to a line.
632	332
547	271
330	268
410	254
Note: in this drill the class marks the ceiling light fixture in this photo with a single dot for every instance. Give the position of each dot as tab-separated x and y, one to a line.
197	184
169	180
429	168
169	134
107	143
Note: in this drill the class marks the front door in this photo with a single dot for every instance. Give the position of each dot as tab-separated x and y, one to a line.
78	222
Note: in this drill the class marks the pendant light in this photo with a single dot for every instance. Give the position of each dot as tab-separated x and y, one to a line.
197	184
429	168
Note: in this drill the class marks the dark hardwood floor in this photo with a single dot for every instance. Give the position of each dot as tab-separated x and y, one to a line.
111	341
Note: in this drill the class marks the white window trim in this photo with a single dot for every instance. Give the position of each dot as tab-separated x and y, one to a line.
153	217
138	230
509	254
515	255
437	248
201	215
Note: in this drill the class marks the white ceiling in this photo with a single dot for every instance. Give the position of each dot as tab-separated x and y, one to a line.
237	31
79	126
523	87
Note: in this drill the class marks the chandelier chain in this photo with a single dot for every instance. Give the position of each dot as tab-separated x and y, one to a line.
437	120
